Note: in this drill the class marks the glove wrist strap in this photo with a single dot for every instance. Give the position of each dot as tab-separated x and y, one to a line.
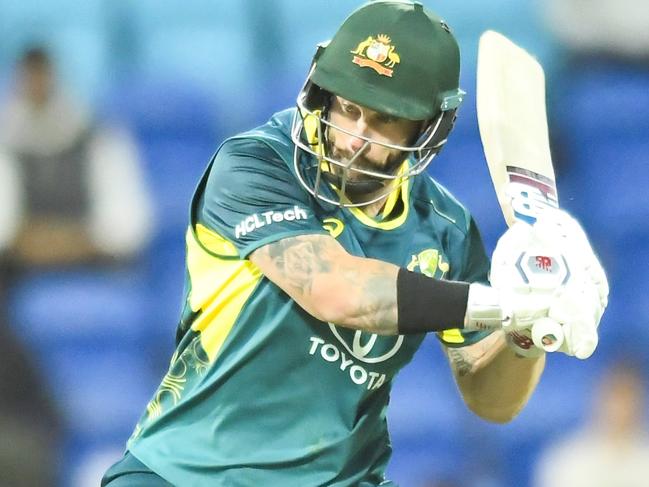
484	309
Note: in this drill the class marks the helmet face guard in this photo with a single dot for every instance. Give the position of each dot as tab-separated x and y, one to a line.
392	57
353	185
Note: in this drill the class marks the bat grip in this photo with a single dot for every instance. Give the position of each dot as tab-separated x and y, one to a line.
547	334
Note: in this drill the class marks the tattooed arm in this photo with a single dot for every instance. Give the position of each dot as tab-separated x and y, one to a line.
495	383
332	285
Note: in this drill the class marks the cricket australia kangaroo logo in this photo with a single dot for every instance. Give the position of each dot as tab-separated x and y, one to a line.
430	263
377	53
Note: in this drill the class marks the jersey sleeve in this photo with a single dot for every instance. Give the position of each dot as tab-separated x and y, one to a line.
251	198
475	263
473	267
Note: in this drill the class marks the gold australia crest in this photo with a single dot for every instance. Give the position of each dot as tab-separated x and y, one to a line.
377	53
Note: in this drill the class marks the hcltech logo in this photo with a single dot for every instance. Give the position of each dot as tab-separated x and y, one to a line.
259	220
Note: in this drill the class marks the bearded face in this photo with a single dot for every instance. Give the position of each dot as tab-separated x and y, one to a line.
363	155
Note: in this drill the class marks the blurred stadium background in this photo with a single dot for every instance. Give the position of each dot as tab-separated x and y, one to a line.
182	76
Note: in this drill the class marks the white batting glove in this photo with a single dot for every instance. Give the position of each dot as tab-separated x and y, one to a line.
578	310
490	309
579	250
581	303
528	267
549	270
516	298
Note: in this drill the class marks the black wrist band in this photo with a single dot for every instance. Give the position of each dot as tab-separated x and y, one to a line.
425	304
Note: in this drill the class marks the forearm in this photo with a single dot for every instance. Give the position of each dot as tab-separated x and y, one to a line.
365	294
350	291
494	382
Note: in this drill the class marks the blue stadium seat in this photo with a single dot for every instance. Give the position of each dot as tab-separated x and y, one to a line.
601	115
173	170
606	181
557	406
426	419
101	391
176	124
84	462
163	108
165	267
209	43
603	100
50	309
601	118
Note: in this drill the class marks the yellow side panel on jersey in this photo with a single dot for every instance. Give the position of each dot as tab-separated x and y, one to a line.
219	287
214	242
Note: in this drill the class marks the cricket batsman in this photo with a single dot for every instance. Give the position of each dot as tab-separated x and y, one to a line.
320	254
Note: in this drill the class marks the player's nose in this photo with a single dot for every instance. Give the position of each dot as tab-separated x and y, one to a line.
354	144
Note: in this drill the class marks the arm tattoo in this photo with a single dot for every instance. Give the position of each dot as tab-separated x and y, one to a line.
377	306
460	361
299	260
367	286
470	359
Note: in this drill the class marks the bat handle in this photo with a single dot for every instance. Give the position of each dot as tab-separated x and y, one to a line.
547	334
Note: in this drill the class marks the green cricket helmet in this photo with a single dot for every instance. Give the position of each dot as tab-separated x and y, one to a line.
393	57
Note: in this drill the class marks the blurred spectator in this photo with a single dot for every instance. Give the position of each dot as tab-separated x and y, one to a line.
612	450
82	194
71	196
29	424
610	27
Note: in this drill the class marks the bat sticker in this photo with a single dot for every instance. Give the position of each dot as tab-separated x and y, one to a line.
530	193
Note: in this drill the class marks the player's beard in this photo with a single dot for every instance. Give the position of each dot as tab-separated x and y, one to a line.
360	186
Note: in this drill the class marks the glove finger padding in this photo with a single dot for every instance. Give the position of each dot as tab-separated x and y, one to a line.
583	300
579	310
577	248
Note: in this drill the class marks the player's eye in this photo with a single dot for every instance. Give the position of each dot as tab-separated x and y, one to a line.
350	109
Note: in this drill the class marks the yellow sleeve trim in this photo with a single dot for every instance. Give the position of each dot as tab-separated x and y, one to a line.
213	242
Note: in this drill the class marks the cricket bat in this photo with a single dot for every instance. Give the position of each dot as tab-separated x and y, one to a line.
514	132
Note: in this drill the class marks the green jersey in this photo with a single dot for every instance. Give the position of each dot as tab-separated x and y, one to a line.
259	392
